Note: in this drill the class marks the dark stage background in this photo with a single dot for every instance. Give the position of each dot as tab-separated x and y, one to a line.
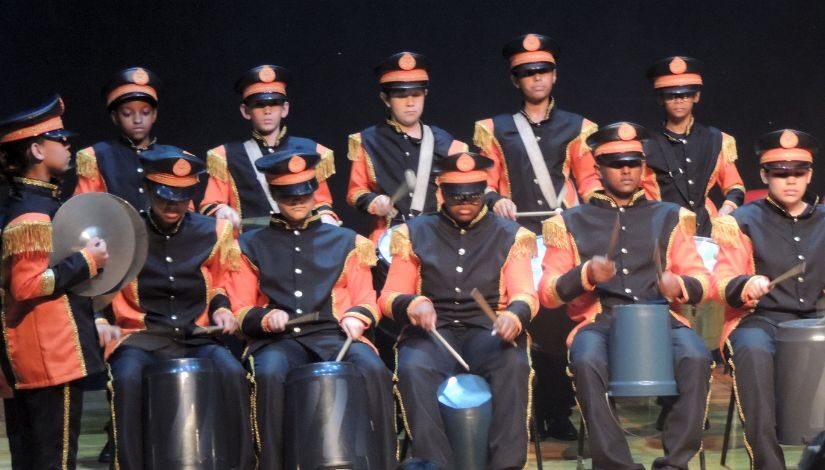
764	62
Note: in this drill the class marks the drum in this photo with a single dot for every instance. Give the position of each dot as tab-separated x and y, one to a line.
536	261
708	249
800	381
182	422
326	419
641	352
466	405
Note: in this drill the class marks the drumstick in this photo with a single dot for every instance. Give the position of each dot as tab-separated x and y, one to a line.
207	330
798	269
485	307
404	187
452	351
614	239
305	318
344	349
538	213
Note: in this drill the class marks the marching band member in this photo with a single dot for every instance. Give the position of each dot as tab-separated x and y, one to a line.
437	261
236	189
297	266
131	97
686	159
178	292
49	337
757	243
576	272
380	154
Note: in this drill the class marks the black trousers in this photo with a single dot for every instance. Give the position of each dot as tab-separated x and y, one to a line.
43	425
752	359
423	364
682	434
127	364
270	365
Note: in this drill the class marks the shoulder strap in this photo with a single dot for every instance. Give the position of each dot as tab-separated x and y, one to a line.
253	152
422	175
528	138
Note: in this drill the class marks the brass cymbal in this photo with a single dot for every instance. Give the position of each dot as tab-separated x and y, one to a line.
106	216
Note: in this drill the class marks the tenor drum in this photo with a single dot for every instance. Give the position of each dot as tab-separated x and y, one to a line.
800	380
182	422
466	405
327	419
641	352
536	260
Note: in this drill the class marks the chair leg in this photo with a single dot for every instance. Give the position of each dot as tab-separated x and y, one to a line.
580	449
405	445
702	459
536	441
728	426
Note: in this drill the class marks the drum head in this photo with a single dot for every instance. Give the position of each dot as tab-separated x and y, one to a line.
708	249
384	252
536	261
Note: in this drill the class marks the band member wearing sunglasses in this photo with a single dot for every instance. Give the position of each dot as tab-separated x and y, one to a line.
538	153
686	159
438	259
759	242
580	271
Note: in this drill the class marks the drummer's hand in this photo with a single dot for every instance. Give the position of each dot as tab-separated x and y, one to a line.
755	288
276	322
328	219
726	209
96	247
423	315
380	206
223	317
353	327
505	328
505	208
669	286
600	269
229	214
106	333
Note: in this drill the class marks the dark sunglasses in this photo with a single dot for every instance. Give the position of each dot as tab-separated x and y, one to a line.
531	72
788	172
678	96
619	164
458	199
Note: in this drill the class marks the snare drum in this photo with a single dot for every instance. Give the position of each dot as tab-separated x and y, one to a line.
708	249
384	253
536	261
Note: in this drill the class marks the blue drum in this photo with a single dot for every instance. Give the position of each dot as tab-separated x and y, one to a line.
800	381
466	405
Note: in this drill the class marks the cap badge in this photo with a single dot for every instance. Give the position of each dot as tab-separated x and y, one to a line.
531	43
181	168
626	132
406	61
140	77
297	164
678	66
788	139
465	163
266	74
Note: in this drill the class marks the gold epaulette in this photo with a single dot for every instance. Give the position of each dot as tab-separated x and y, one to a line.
554	232
87	163
400	244
729	148
216	163
27	236
483	135
326	167
725	230
226	246
588	129
354	147
525	244
687	222
365	251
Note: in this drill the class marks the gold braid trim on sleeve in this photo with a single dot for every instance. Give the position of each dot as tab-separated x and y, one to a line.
687	222
725	230
365	251
554	233
326	167
729	148
482	136
400	244
354	147
30	236
87	163
216	163
524	245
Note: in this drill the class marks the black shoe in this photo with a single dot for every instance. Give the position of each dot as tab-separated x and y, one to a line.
560	428
105	453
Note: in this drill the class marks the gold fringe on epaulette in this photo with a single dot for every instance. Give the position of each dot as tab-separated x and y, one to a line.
482	137
228	249
729	148
365	251
585	133
725	230
216	165
354	148
326	167
687	222
554	233
525	244
400	245
87	164
31	236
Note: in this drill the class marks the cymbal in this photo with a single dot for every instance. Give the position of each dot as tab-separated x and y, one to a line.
106	216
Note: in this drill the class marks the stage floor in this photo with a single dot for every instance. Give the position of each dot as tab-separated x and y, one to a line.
637	416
